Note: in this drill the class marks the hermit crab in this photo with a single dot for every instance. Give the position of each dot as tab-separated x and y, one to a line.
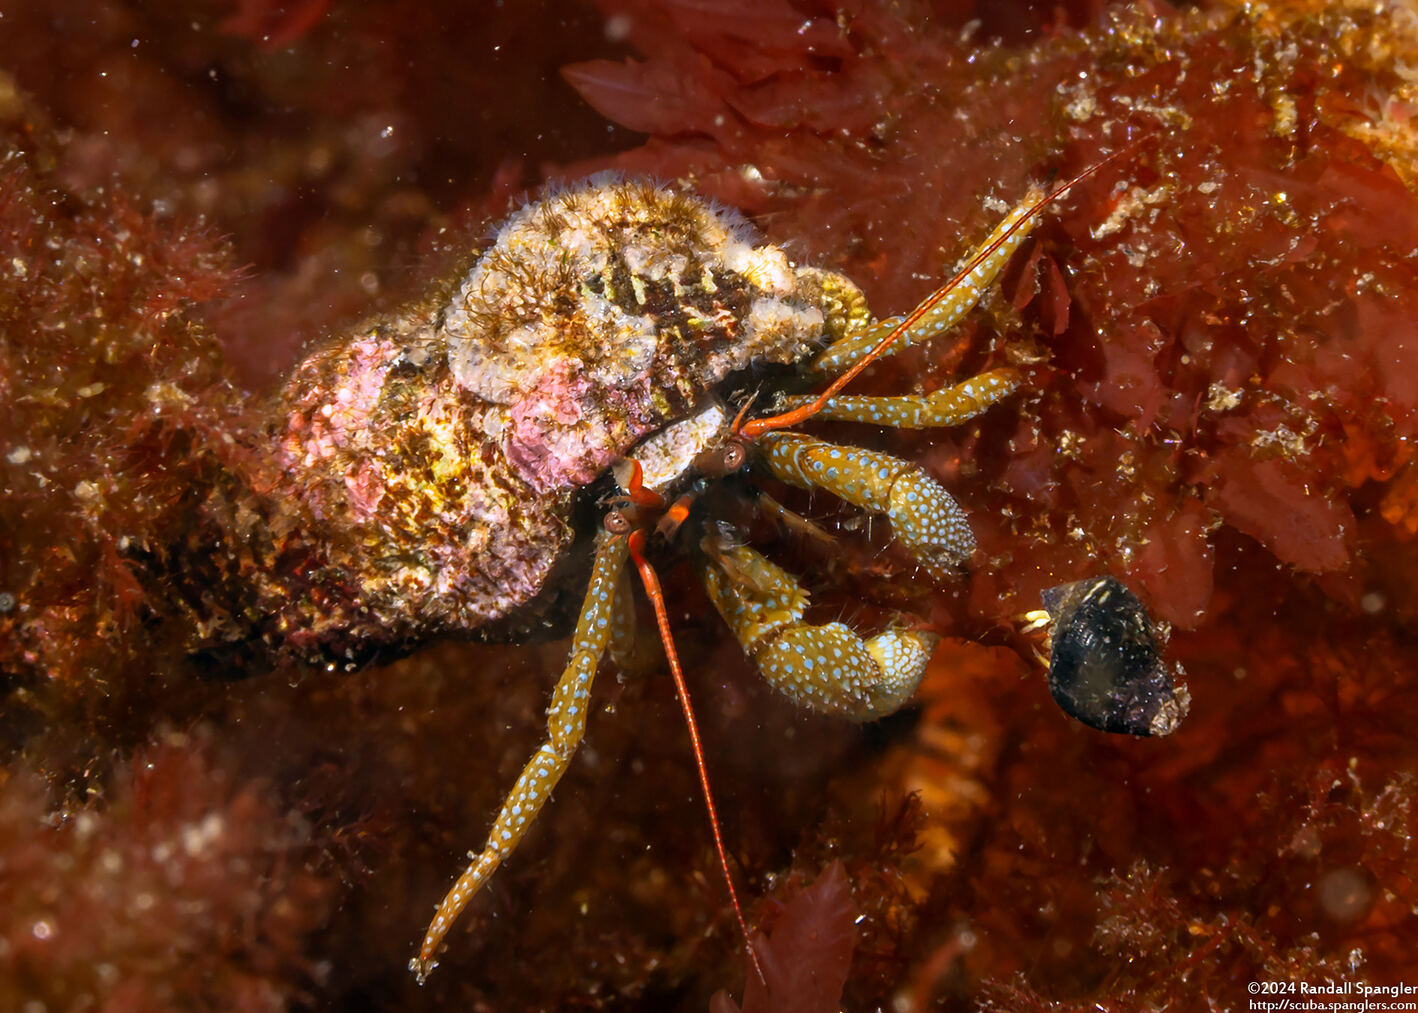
597	336
632	304
617	354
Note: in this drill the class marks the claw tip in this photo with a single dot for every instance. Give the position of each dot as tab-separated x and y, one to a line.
421	968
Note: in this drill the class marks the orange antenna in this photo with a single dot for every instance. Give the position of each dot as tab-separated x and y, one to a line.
757	427
662	619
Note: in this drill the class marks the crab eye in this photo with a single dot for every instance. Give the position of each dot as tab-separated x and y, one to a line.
616	522
726	459
732	456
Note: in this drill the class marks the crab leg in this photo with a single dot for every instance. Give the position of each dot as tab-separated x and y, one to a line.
948	406
925	518
622	640
566	721
828	668
961	293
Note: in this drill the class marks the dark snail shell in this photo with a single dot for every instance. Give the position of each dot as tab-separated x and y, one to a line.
1105	667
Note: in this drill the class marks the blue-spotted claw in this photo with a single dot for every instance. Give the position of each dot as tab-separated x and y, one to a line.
827	668
925	518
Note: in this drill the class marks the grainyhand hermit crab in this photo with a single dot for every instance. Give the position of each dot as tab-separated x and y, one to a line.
628	304
433	466
595	334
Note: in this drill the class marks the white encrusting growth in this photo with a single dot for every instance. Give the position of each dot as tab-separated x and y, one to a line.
553	272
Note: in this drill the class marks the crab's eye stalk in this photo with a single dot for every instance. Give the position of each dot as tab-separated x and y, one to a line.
722	460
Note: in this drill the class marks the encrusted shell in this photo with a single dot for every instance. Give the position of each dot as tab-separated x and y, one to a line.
604	311
432	460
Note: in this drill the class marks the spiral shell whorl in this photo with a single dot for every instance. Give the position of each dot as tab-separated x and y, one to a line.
605	311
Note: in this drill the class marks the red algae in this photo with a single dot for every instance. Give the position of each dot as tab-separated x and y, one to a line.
806	955
97	309
1221	410
179	890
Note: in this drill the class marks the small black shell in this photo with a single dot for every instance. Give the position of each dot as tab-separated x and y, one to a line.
1105	668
